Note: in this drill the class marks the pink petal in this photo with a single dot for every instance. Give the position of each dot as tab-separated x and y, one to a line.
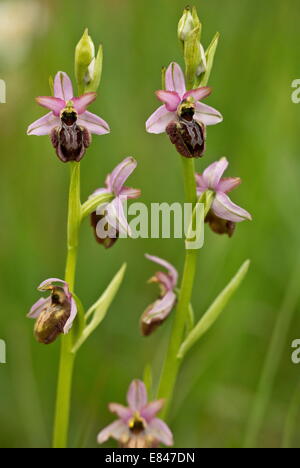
175	79
171	270
170	98
132	193
165	280
160	431
93	123
44	125
44	286
71	319
100	191
206	114
224	208
201	185
63	88
56	105
123	412
160	309
82	102
137	395
159	120
213	173
152	409
37	308
198	94
120	174
116	217
228	184
117	430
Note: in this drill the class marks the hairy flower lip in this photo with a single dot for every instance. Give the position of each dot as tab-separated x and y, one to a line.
48	285
150	433
174	94
63	93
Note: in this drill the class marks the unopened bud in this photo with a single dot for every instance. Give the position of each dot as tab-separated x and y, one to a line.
88	67
188	24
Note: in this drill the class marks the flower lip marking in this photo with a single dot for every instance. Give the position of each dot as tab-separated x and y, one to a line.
69	114
137	424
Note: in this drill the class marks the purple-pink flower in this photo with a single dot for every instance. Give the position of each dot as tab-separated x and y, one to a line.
137	426
157	312
55	314
109	220
182	116
68	123
223	213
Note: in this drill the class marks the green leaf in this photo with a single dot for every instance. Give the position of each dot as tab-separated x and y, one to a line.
214	311
93	202
99	310
190	323
79	322
148	380
210	55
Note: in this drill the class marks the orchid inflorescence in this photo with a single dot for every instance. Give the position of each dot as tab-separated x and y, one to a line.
184	118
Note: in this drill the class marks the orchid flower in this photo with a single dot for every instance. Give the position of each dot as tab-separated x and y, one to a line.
55	314
157	313
182	116
109	220
137	426
68	123
223	213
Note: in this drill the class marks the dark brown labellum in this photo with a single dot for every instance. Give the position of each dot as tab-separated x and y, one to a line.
148	328
107	241
187	135
70	140
219	225
53	317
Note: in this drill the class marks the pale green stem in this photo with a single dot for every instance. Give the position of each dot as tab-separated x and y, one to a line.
62	413
172	363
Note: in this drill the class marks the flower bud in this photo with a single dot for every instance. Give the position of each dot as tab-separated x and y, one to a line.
88	68
84	54
188	23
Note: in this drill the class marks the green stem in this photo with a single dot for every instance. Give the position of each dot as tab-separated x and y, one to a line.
66	366
172	363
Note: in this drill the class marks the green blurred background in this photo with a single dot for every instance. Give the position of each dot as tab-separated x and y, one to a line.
257	59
